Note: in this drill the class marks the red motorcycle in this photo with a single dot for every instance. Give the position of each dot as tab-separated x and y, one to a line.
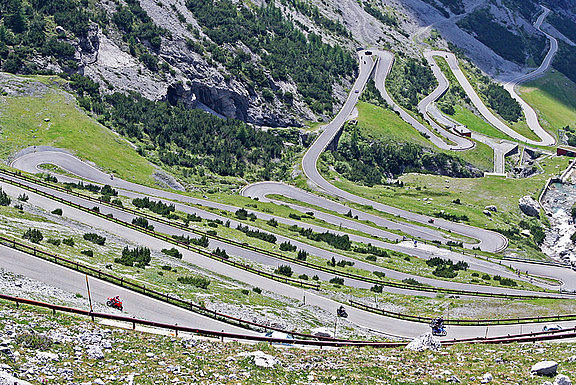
115	302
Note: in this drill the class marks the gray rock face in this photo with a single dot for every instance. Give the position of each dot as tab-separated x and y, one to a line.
424	342
545	368
529	206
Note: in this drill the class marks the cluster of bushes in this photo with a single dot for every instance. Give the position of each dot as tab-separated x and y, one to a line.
384	18
257	234
243	214
410	79
157	207
340	263
500	101
570	135
372	162
33	235
142	222
4	198
371	249
445	268
314	13
221	253
287	246
412	282
199	282
286	52
285	270
172	252
192	218
341	242
95	238
139	257
451	216
337	281
505	281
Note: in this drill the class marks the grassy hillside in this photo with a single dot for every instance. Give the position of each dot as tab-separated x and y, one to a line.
553	96
36	111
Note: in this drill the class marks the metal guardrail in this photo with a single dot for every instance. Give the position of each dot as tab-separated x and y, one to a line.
211	333
531	337
165	238
244	245
164	297
464	322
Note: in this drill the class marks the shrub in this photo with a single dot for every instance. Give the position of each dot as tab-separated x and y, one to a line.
380	274
337	281
475	274
377	288
203	241
221	253
173	252
142	222
23	198
68	241
287	246
88	253
166	267
245	291
344	263
294	216
117	202
272	222
284	270
371	258
315	278
55	242
508	282
193	218
486	277
444	272
139	257
497	278
95	238
33	235
303	277
303	255
199	282
257	290
34	341
4	198
411	281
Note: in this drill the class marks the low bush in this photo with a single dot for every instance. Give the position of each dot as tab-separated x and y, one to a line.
199	282
337	281
33	235
95	238
173	252
284	270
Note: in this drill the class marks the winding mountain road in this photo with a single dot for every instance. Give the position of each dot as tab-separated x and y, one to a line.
375	62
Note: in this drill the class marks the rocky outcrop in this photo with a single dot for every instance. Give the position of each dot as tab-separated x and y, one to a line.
529	206
424	342
544	368
8	379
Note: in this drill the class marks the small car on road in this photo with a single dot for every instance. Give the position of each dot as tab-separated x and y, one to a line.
550	327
